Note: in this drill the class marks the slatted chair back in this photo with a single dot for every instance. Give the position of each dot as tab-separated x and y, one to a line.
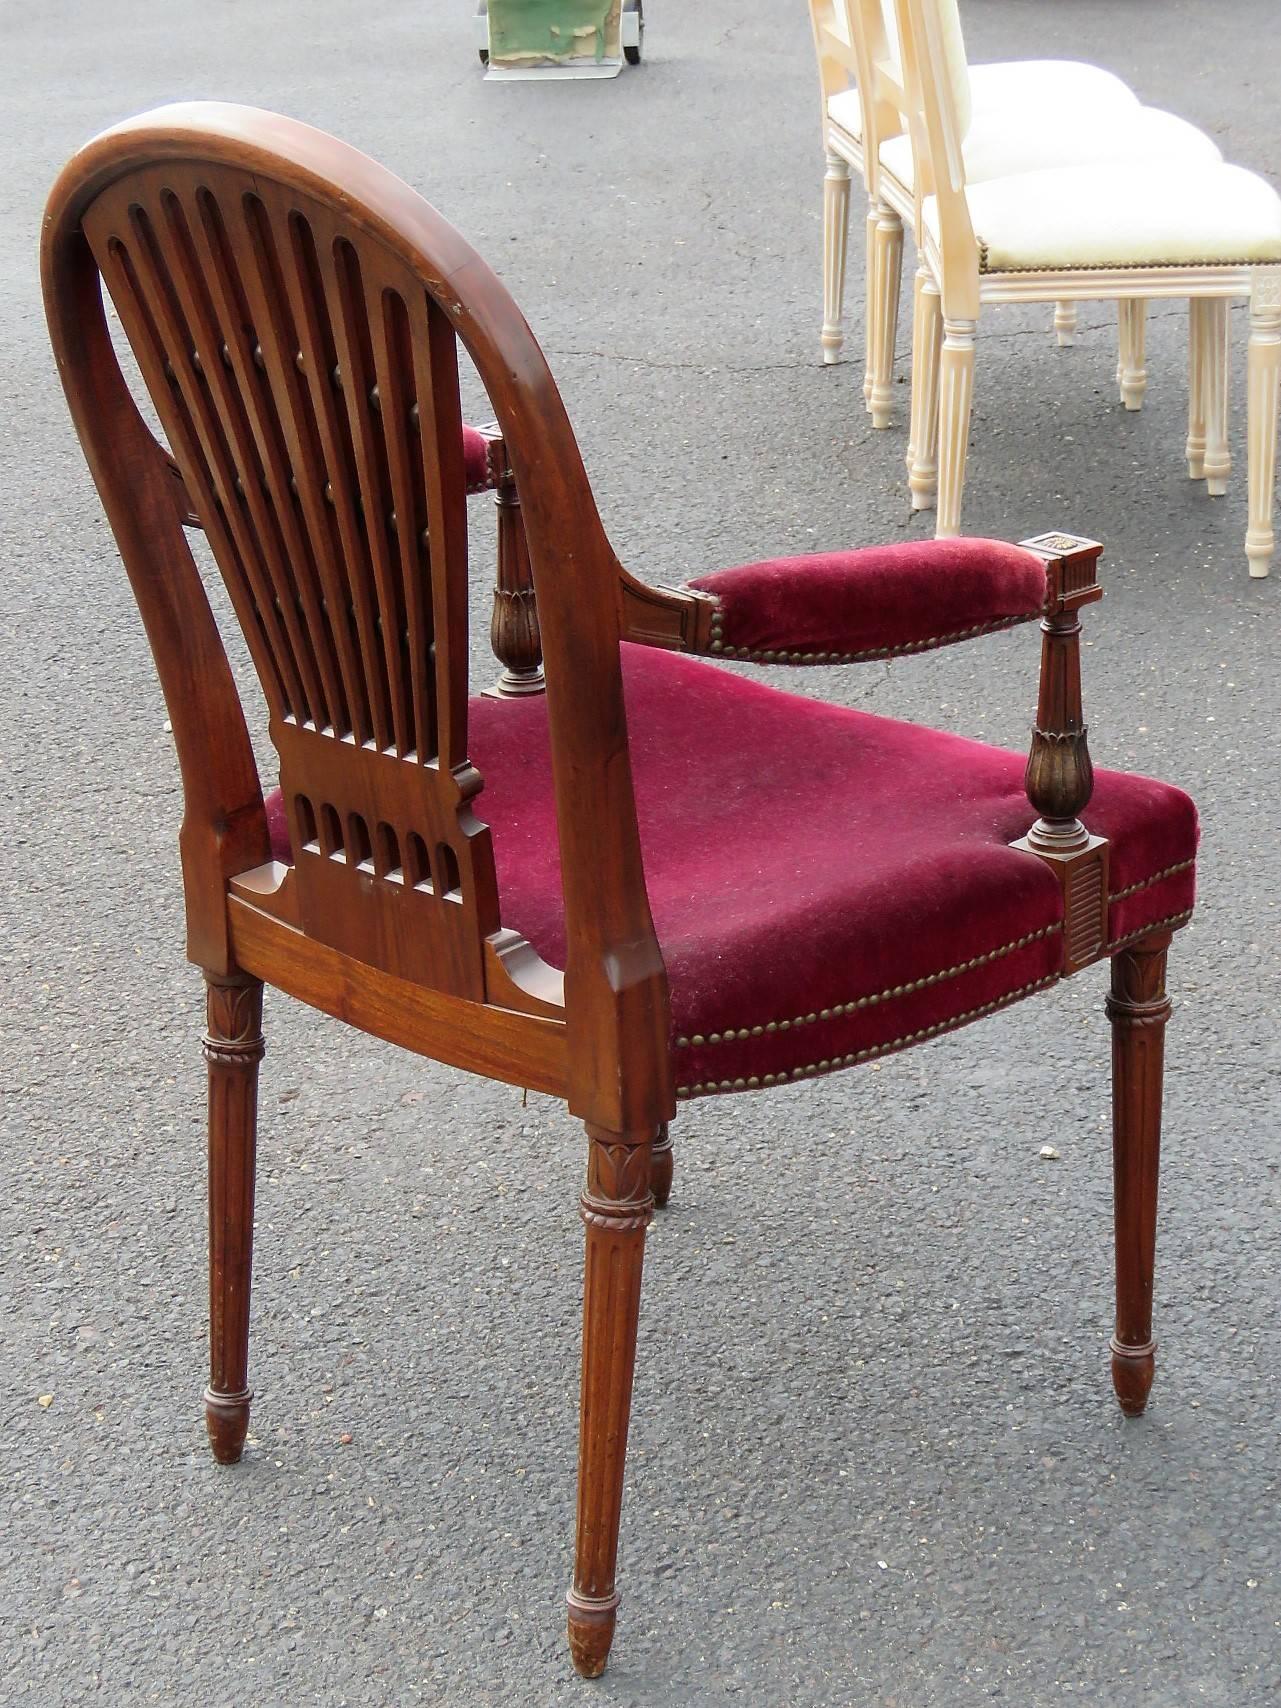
295	312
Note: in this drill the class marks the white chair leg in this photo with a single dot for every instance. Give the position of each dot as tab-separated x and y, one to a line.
1262	374
1065	322
869	302
836	227
1218	462
1131	375
956	388
927	337
885	272
1194	450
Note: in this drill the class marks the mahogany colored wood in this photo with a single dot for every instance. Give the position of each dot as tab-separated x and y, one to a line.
513	629
661	1174
1138	1008
295	313
1060	777
617	1206
233	1048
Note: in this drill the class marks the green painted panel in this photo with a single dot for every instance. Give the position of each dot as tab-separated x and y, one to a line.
521	31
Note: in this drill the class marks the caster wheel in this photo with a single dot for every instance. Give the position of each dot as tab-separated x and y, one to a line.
482	30
633	30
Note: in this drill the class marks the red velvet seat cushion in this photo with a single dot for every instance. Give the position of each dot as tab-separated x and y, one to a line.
476	460
833	607
826	885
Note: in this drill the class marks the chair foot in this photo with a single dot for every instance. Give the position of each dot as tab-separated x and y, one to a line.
1133	1368
1065	314
591	1631
227	1420
832	349
661	1162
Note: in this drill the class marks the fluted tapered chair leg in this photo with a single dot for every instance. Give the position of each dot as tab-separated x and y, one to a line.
922	443
617	1205
1263	373
1138	1008
1065	314
233	1049
1194	449
956	390
1131	368
836	227
884	279
1215	359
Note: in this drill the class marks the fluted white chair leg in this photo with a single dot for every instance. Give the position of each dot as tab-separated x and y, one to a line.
885	272
1218	461
869	302
836	228
1131	375
1263	373
1065	322
1194	449
956	389
927	337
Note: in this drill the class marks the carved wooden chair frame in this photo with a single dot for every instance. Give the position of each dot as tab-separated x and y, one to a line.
215	227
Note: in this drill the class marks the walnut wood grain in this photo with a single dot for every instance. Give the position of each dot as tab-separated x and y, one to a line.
616	1206
1060	777
233	1049
1138	1008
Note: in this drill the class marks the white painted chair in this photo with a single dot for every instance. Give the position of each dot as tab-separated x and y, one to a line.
1004	107
1124	230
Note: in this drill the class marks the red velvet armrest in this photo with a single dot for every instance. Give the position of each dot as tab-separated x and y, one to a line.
839	607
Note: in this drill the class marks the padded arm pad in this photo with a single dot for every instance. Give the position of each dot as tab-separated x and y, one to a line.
839	607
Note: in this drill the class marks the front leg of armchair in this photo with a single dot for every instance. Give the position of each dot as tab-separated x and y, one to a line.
1060	778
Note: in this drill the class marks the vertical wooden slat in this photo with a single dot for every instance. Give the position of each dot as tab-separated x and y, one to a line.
259	543
277	340
313	323
441	450
341	271
388	329
147	313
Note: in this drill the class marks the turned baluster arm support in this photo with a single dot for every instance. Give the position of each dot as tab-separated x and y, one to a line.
1060	777
513	631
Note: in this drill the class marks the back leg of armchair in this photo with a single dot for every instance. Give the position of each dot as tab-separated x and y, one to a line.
956	389
922	442
884	279
617	1205
1218	461
1131	371
836	228
1065	322
1263	371
233	1049
1138	1008
660	1175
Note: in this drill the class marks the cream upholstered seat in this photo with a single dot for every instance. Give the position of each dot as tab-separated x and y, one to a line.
1016	141
1148	215
1126	229
1004	107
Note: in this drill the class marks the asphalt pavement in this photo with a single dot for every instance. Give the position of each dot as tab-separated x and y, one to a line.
875	1459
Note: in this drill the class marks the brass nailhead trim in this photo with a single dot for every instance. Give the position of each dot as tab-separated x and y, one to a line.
1110	266
699	1040
813	1068
1175	919
717	645
1146	883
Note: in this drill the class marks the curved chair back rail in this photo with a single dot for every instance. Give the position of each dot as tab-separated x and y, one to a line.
294	310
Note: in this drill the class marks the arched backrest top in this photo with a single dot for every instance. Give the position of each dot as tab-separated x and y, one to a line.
294	308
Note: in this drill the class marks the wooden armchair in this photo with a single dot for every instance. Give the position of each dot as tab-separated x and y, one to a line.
638	917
